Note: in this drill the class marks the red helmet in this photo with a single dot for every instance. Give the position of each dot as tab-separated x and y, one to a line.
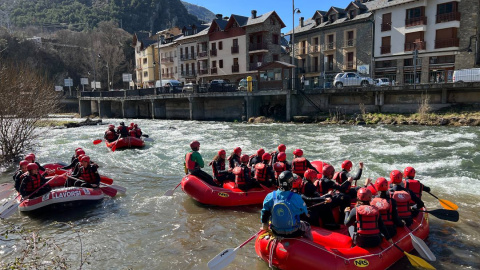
298	152
409	172
132	124
364	195
328	171
79	152
110	127
260	152
32	154
237	150
310	175
282	156
297	183
381	184
23	163
80	157
30	157
32	166
135	126
244	158
282	148
396	176
85	159
347	165
78	148
221	152
195	144
266	156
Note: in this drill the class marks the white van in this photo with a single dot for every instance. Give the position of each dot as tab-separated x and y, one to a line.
466	75
167	83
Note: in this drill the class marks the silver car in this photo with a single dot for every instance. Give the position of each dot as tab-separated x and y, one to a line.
352	79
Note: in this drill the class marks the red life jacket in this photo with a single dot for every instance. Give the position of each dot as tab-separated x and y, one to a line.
239	173
34	182
385	209
133	133
415	186
189	162
138	132
214	168
299	165
403	203
261	172
318	185
302	186
279	167
88	175
338	177
110	135
367	220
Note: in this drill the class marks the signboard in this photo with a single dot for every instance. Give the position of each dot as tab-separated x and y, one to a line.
127	77
363	69
68	82
58	88
84	81
93	84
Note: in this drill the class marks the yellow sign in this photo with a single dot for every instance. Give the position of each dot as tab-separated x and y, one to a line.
223	194
361	263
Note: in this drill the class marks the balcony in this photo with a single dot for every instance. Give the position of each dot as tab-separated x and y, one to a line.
386	26
258	46
213	53
203	72
235	68
213	70
235	49
167	60
192	56
410	46
183	57
312	69
385	49
350	65
445	43
350	43
315	48
329	46
447	17
188	73
416	21
202	54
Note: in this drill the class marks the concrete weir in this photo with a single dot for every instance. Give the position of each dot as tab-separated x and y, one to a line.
281	104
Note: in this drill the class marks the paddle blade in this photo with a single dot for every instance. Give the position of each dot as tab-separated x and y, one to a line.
106	180
9	210
109	191
114	147
422	248
447	215
148	139
118	188
97	142
448	204
223	259
418	262
169	192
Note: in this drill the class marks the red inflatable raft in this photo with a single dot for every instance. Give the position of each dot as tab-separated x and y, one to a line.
127	142
226	196
333	249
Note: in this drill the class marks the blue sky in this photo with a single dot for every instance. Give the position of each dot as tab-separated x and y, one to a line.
282	7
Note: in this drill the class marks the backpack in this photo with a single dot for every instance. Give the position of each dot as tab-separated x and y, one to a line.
283	220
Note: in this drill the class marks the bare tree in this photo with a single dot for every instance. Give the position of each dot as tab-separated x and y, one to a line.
26	96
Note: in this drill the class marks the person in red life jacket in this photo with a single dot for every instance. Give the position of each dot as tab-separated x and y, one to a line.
387	207
76	149
31	181
263	172
300	164
281	165
132	133
403	197
254	159
412	184
87	174
234	158
312	198
368	224
281	149
138	131
122	130
220	172
31	158
110	135
342	176
75	161
131	126
283	210
17	176
194	163
243	179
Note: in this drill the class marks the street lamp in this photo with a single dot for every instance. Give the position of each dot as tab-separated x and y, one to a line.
297	10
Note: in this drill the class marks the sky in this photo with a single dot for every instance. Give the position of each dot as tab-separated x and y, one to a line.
282	7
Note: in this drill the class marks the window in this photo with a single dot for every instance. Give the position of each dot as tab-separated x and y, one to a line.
145	60
275	39
352	13
220	63
272	21
332	18
145	74
214	46
235	42
350	60
415	16
214	64
385	48
234	25
181	52
330	62
386	22
220	45
349	39
192	51
447	12
414	41
445	38
181	68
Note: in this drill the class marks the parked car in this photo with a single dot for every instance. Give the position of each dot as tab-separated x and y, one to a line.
243	85
382	82
189	87
466	75
220	86
352	79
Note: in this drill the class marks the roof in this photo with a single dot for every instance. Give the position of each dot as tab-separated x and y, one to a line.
199	34
144	38
380	4
262	18
276	64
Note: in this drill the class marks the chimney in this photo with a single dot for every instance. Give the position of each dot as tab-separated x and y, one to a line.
254	14
225	18
301	21
219	16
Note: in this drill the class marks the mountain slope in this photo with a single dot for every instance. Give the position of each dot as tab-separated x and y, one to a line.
203	14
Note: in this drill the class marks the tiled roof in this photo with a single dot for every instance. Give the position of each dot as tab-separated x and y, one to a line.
379	4
241	20
309	24
201	33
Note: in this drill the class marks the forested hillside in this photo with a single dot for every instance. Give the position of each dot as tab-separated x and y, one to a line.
201	13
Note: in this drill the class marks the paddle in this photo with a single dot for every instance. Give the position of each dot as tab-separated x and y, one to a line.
145	135
106	180
225	257
266	188
148	139
114	147
449	215
6	193
97	141
445	203
421	247
171	191
311	206
414	260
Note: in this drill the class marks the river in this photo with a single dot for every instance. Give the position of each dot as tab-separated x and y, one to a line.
145	230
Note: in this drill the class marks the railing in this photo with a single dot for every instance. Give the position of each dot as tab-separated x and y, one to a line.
349	65
167	60
329	46
183	57
257	46
445	43
213	52
410	46
235	49
386	26
203	71
188	73
213	70
312	69
350	43
416	21
192	56
447	17
235	68
203	54
385	49
314	48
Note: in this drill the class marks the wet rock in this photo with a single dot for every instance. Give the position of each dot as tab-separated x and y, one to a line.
443	122
394	122
342	122
404	122
302	119
360	123
413	123
462	121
